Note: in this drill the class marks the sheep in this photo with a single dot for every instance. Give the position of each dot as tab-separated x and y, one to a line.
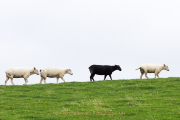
103	70
54	73
152	68
20	72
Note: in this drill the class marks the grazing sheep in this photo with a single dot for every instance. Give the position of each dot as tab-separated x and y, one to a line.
54	73
152	68
102	70
20	72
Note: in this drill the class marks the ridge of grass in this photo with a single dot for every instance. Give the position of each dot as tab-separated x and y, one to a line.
111	99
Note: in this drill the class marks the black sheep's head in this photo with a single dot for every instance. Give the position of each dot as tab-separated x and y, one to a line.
118	67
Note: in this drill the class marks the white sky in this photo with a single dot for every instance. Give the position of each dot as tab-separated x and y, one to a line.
78	33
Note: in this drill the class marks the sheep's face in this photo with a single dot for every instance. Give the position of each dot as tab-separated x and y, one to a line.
118	67
70	72
166	67
36	71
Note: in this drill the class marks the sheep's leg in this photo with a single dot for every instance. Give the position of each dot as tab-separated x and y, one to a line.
12	81
41	80
7	78
45	80
158	75
26	81
63	79
146	75
91	77
105	77
110	77
142	72
57	80
141	75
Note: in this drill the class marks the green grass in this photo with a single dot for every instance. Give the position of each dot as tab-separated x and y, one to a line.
150	99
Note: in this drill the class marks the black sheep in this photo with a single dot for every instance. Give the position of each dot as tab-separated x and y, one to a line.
103	70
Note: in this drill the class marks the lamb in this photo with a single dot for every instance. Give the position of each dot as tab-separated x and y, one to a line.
152	68
54	73
20	72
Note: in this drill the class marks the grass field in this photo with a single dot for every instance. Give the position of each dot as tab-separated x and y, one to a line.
152	99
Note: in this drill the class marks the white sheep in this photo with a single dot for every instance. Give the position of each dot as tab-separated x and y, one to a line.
20	72
152	68
54	73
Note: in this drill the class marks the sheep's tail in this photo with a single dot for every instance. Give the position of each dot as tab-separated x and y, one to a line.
6	74
138	68
90	70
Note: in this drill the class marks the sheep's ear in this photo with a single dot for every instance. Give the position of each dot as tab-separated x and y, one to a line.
34	68
164	65
40	70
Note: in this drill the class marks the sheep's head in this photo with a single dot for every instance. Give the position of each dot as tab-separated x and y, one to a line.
69	72
118	67
35	71
166	67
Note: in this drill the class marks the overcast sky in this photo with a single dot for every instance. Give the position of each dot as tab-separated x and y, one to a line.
78	33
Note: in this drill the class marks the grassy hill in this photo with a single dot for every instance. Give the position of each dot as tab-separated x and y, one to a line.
117	99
